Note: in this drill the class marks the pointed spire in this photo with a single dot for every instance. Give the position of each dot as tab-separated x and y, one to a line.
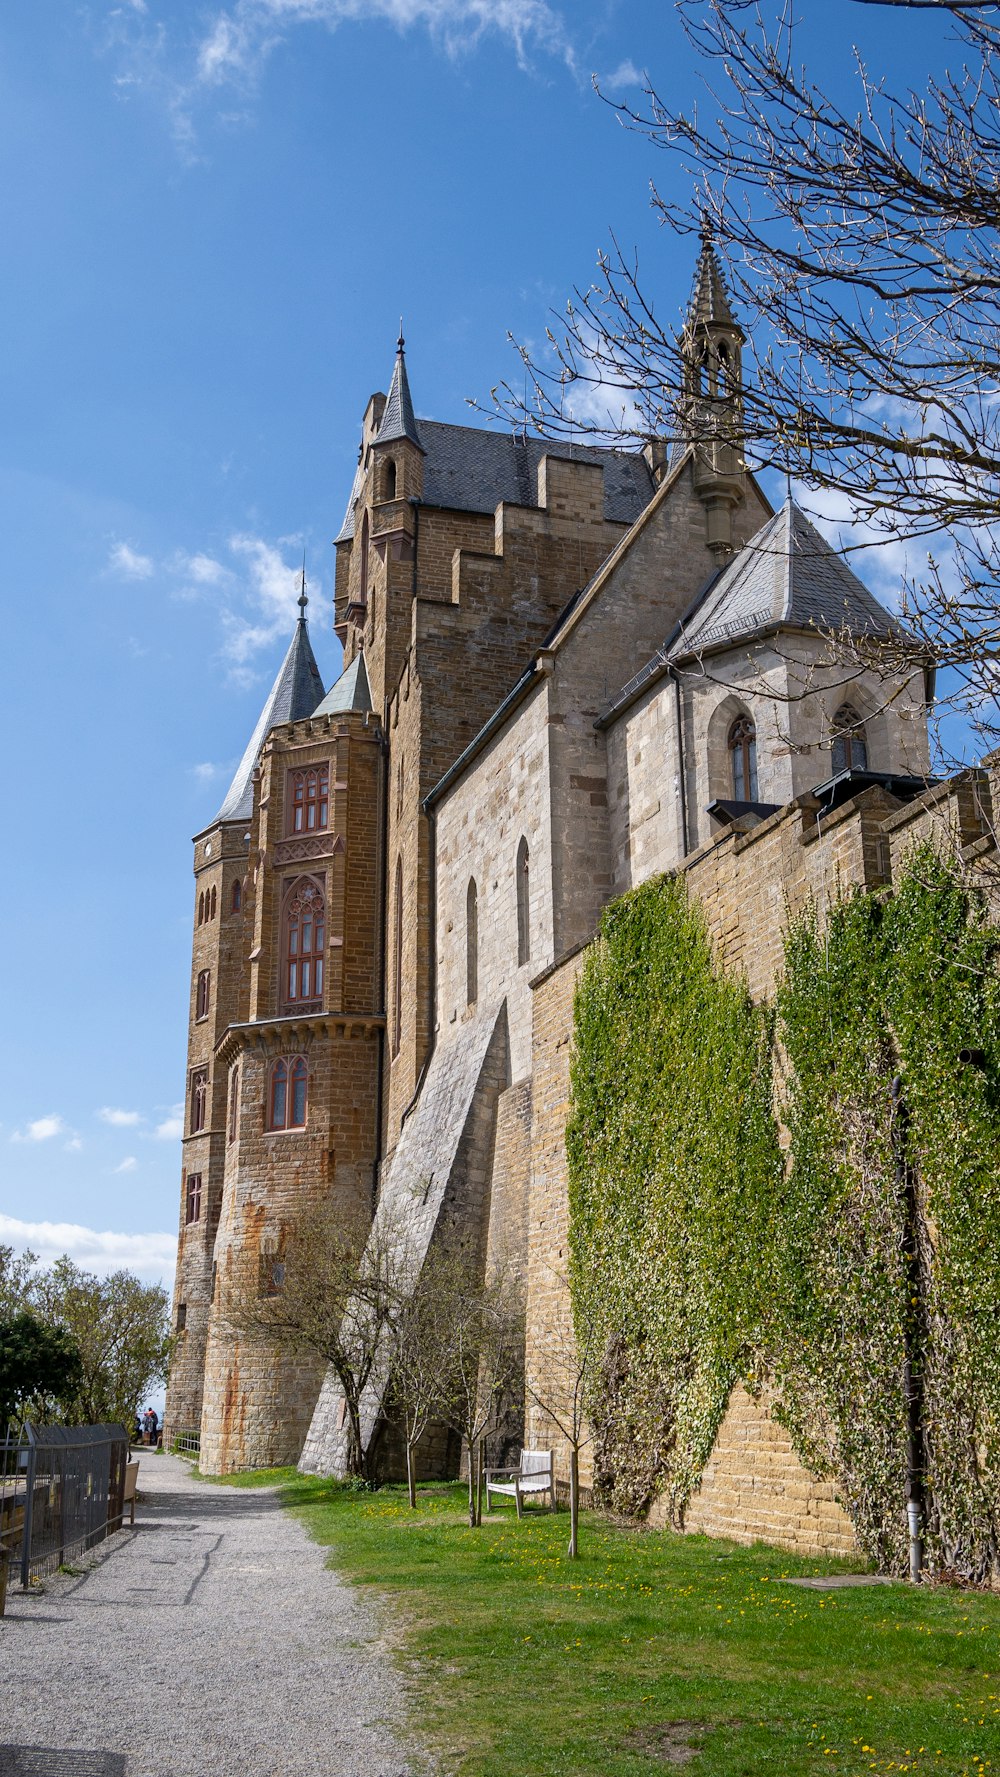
398	419
709	297
295	694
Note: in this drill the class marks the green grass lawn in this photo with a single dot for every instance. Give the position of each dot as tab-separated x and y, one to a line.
655	1651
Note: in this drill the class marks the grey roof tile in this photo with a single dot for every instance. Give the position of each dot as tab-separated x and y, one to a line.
295	693
398	418
350	692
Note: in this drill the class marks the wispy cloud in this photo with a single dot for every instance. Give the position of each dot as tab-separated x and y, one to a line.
129	1164
151	1255
128	563
119	1119
272	589
626	74
206	771
41	1129
172	1127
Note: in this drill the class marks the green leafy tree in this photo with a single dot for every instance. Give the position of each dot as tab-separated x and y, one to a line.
41	1370
122	1331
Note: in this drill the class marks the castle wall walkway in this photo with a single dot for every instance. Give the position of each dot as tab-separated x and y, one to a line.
208	1641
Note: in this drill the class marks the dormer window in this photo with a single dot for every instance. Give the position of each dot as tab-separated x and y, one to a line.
850	749
743	759
310	799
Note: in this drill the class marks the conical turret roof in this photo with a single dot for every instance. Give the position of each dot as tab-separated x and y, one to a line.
295	693
398	419
350	692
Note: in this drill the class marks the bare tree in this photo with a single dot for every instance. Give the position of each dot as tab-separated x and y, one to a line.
422	1380
482	1328
569	1347
861	247
336	1289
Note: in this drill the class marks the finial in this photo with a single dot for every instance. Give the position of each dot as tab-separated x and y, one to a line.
399	342
303	599
705	229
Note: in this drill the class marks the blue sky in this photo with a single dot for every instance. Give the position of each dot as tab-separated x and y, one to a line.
212	219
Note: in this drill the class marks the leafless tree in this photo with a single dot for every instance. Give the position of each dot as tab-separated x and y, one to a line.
482	1332
423	1372
861	248
336	1289
569	1350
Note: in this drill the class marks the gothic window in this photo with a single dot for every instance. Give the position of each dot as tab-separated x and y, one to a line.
522	868
199	1099
236	901
287	1094
743	754
201	908
192	1198
399	786
472	942
201	996
305	944
397	961
390	479
850	749
234	1101
212	915
310	799
363	571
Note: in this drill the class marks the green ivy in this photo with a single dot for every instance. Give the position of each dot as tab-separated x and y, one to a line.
674	1173
701	1253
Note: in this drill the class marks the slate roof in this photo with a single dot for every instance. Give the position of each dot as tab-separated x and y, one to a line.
350	692
398	419
295	693
786	575
471	470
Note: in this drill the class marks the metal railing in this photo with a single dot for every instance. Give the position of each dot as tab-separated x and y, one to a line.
186	1440
61	1491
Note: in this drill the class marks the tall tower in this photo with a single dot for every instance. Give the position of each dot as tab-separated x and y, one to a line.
711	407
218	998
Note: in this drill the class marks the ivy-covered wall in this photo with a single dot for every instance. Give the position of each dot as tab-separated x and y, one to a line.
702	1252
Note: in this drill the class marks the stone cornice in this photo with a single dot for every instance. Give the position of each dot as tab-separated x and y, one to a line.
295	1030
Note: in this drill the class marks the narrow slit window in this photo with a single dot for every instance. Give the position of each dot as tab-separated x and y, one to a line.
472	943
199	1099
202	993
234	1101
522	871
236	900
192	1198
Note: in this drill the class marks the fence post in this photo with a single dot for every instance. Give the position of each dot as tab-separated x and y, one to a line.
29	1513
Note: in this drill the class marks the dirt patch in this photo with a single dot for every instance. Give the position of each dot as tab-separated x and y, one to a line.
672	1742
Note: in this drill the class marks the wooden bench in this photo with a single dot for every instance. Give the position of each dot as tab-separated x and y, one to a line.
532	1476
131	1483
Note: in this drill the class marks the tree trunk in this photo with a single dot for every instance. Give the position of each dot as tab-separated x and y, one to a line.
479	1482
355	1464
411	1485
473	1466
574	1502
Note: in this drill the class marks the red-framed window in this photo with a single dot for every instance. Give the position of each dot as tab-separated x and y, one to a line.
288	1093
199	1099
234	1101
310	799
202	993
305	944
214	903
192	1198
236	900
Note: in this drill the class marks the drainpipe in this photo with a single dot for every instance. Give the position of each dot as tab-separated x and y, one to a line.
906	1189
674	674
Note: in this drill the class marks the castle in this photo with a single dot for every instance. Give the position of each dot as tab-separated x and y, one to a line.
565	668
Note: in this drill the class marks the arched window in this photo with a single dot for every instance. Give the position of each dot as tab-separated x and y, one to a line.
288	1093
305	944
234	1101
199	1099
743	754
522	868
310	799
201	996
201	908
390	478
237	897
850	749
363	570
212	914
472	942
397	961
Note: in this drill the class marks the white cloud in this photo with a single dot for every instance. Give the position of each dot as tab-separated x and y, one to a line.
153	1256
119	1119
626	74
201	569
126	561
206	772
129	1164
42	1129
273	588
172	1127
74	1144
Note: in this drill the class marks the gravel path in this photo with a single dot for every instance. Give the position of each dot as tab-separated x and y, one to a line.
208	1641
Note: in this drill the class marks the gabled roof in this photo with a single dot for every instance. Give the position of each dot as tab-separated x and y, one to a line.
295	693
398	419
350	692
787	575
467	469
